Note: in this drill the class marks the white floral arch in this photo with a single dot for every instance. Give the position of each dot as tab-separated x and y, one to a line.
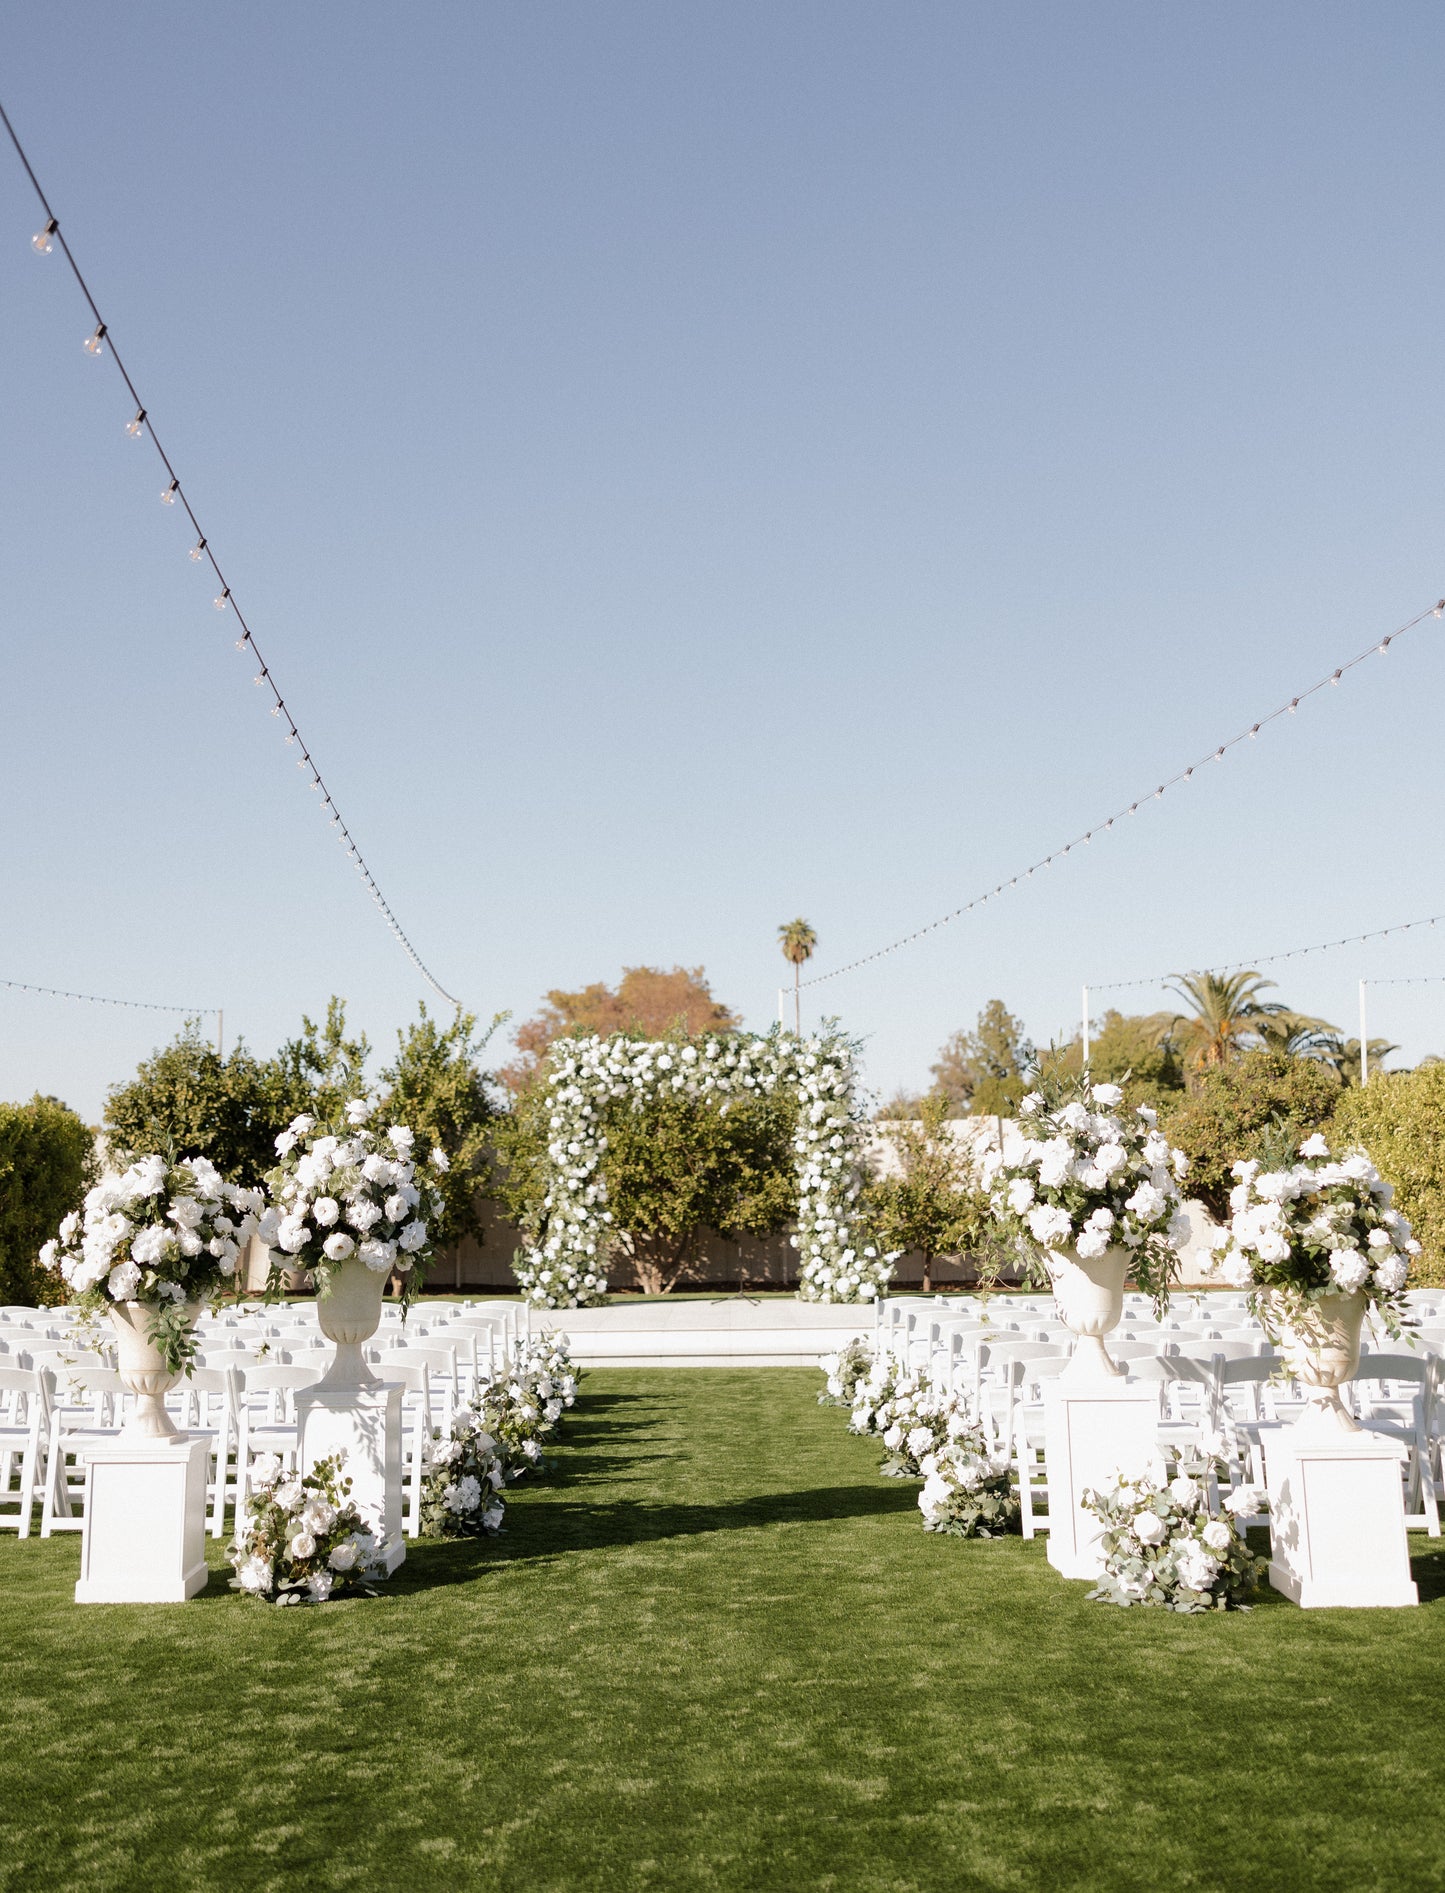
564	1263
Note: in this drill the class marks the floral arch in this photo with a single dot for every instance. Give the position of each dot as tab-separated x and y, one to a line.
564	1261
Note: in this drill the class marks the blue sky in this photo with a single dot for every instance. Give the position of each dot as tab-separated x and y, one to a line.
690	467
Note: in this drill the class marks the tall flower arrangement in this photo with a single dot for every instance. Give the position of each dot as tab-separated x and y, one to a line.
563	1263
166	1235
1322	1225
345	1191
1090	1177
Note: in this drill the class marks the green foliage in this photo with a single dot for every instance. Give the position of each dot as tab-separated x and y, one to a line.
931	1209
47	1163
681	1166
986	1071
437	1086
187	1100
1239	1110
1399	1118
1134	1050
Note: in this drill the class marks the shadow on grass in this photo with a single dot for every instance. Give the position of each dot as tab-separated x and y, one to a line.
1428	1570
559	1531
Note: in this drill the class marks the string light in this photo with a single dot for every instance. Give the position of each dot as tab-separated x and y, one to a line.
1272	959
95	342
168	498
1373	649
98	999
202	550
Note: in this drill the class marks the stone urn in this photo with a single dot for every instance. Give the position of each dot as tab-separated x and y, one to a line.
348	1307
143	1371
1320	1342
1089	1295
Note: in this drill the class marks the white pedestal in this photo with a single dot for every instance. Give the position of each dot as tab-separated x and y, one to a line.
1337	1518
1092	1429
144	1540
364	1423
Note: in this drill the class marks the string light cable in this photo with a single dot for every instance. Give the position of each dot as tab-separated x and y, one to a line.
1378	648
174	494
99	999
1273	959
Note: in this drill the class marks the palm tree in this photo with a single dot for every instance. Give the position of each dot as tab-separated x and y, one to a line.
1226	1013
798	940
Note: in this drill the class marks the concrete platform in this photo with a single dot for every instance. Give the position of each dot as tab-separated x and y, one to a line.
733	1331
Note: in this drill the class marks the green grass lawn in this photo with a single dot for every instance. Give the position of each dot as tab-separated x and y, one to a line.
715	1650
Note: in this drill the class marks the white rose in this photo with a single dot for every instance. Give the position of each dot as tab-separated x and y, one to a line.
255	1575
319	1584
1391	1274
1184	1492
1110	1157
401	1137
302	1545
1217	1535
1349	1270
1314	1147
1108	1095
396	1209
343	1556
1150	1529
338	1246
1197	1570
413	1237
1092	1243
326	1209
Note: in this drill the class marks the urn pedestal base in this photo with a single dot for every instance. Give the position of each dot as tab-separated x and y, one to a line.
144	1540
1337	1518
364	1423
1092	1429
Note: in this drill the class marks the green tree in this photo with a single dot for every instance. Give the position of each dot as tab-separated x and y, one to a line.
1244	1109
47	1163
1135	1050
797	940
437	1086
185	1098
318	1072
1225	1016
989	1068
932	1208
1399	1118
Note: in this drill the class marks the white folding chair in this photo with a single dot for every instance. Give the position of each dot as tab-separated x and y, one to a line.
266	1396
26	1402
1394	1394
87	1408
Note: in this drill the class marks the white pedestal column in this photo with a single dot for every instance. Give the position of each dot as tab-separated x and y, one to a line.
1092	1429
144	1540
364	1423
1337	1518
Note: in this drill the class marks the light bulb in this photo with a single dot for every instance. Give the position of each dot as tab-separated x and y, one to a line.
221	601
95	344
198	550
240	644
168	498
40	242
135	427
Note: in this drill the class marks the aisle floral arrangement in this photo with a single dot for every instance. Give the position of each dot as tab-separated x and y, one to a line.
462	1493
844	1372
166	1235
968	1487
1322	1225
339	1192
1165	1544
1091	1177
304	1541
524	1404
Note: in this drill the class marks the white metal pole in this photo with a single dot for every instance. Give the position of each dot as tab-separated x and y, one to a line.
220	1032
782	1010
1086	1031
1364	1040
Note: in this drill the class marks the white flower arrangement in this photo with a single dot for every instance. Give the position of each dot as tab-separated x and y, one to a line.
166	1235
524	1405
1323	1225
844	1372
873	1396
348	1191
304	1541
968	1487
1091	1177
564	1261
462	1494
1166	1544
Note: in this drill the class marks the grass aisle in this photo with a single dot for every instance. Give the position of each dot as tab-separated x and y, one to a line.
715	1651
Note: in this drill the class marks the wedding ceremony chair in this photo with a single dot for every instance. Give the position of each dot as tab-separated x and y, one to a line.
26	1398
